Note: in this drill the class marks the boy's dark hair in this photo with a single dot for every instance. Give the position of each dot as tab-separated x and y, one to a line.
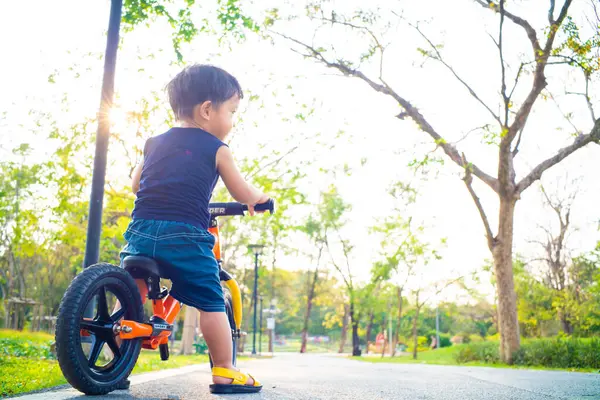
199	83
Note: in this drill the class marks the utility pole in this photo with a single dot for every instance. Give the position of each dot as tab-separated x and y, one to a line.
261	326
94	229
257	249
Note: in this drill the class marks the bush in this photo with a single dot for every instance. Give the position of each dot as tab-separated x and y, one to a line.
475	339
445	341
421	344
487	352
493	338
560	353
17	347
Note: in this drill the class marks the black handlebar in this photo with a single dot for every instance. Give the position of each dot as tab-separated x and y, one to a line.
227	209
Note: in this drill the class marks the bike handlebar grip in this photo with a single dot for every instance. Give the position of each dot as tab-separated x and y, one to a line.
269	206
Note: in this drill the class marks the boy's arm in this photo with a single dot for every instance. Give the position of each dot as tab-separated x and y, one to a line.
135	178
239	189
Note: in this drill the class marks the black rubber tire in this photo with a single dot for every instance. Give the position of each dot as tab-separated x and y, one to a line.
164	352
229	312
71	357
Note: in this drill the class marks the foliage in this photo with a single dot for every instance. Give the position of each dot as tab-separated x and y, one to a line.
487	352
178	13
560	352
444	338
19	348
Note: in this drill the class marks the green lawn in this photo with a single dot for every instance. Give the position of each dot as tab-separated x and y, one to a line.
445	356
24	367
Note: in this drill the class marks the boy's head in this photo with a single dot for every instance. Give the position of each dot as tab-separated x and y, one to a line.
205	96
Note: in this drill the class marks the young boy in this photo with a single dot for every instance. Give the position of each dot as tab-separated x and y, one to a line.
174	183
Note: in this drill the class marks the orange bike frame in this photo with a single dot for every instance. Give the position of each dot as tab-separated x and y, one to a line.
168	308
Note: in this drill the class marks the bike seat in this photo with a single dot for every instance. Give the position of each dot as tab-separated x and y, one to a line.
141	267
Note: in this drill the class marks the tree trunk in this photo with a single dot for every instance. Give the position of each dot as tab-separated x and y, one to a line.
566	323
355	318
189	330
246	327
385	338
503	266
398	322
309	303
344	328
415	336
369	329
414	330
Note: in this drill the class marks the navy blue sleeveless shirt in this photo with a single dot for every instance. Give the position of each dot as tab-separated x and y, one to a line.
178	177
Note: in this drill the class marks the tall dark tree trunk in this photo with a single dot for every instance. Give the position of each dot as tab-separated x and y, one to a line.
369	329
415	325
344	328
398	322
503	267
384	323
9	291
566	323
355	319
309	304
273	267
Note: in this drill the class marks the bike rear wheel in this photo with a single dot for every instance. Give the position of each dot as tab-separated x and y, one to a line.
91	356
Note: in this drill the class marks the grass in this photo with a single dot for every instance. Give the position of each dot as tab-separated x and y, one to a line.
21	374
447	356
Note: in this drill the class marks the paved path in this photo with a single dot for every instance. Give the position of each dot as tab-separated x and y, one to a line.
295	376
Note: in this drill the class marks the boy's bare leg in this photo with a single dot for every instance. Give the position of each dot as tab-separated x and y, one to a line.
217	333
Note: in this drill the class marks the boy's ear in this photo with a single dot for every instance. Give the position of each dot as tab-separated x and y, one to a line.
203	110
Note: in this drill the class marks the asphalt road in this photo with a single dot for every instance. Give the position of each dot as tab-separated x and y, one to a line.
295	376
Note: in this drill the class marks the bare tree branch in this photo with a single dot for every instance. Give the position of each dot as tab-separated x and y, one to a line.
540	55
410	110
551	12
517	79
336	266
580	141
438	57
531	34
565	116
273	163
516	149
440	290
587	97
570	60
468	179
378	44
505	97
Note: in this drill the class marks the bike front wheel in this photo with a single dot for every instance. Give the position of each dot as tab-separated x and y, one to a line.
90	354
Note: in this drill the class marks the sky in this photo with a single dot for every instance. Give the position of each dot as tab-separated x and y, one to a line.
64	39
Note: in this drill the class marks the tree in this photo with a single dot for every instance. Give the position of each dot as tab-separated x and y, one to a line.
19	225
556	258
333	212
227	13
509	125
316	231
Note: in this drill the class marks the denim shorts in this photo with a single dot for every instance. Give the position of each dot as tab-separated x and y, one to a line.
184	254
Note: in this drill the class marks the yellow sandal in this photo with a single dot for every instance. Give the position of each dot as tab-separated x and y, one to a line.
237	386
